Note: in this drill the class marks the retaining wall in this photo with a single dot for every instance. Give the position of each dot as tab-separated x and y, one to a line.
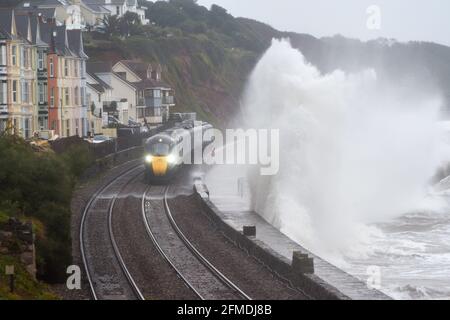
300	276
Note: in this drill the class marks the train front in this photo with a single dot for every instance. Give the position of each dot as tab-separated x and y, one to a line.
161	158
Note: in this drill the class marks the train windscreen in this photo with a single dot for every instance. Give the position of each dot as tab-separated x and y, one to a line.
160	149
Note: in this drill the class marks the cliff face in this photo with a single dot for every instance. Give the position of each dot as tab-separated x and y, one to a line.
208	78
207	55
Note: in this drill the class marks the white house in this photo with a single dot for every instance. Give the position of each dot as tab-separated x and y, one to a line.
154	97
65	12
119	7
79	14
110	93
139	86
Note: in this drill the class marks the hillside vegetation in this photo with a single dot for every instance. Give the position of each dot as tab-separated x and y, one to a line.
36	185
207	54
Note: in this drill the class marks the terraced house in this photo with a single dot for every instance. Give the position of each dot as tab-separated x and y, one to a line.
67	75
18	114
28	54
3	82
42	75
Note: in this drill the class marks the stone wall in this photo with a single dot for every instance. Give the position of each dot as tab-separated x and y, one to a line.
17	239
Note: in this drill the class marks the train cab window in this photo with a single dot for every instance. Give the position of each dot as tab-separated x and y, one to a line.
160	149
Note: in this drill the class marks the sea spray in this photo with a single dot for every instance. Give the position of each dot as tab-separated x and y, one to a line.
353	150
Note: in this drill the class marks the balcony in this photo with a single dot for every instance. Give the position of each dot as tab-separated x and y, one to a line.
168	100
42	74
110	106
150	102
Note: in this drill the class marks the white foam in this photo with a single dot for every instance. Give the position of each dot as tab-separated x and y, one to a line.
354	150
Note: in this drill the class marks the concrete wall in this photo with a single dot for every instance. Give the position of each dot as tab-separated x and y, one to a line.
309	284
110	161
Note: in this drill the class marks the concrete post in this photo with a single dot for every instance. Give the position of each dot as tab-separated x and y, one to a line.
302	263
249	231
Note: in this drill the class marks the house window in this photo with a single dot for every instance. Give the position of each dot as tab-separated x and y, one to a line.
76	68
3	93
68	128
25	92
117	10
66	68
157	93
77	124
14	90
52	68
3	55
82	69
41	88
14	55
76	93
27	128
52	97
66	96
83	97
42	122
148	93
25	58
41	60
53	125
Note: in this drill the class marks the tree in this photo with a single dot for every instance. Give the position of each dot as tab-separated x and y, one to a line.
111	25
130	24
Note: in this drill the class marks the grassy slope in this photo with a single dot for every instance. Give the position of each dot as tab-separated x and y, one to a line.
26	287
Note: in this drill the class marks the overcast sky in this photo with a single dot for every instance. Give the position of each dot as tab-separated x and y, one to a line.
404	20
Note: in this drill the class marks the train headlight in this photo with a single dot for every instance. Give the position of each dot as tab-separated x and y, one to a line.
171	158
148	158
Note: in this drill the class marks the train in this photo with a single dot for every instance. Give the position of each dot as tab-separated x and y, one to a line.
164	154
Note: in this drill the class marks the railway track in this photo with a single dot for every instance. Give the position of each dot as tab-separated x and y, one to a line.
205	280
107	273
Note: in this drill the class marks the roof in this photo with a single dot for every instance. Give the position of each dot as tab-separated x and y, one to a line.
22	24
46	32
3	35
100	83
36	23
5	22
98	67
47	13
35	3
102	2
96	7
96	87
61	42
124	80
137	67
75	40
150	83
